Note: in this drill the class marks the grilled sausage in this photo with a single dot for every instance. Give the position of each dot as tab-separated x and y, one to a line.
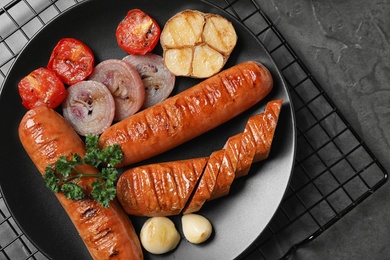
162	189
106	232
227	171
154	189
189	113
206	183
247	153
262	128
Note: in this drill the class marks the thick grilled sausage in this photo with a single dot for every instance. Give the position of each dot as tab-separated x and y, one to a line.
189	113
106	232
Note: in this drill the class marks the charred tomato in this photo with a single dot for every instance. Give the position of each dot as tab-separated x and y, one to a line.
71	60
41	87
138	33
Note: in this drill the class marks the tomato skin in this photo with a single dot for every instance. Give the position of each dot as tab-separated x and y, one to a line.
41	87
71	60
138	33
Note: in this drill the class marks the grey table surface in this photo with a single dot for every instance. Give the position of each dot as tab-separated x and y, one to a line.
346	46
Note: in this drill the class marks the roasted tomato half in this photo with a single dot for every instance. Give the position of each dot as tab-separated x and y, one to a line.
41	87
71	60
138	33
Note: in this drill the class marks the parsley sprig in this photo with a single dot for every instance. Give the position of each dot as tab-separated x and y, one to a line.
63	176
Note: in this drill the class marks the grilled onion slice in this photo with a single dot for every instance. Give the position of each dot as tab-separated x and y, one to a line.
89	107
124	83
158	80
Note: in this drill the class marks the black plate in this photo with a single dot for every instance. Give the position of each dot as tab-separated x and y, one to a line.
238	219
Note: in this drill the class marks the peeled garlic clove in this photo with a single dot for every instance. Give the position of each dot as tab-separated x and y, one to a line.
196	228
159	235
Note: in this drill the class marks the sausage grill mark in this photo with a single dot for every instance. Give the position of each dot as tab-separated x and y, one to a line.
89	212
103	233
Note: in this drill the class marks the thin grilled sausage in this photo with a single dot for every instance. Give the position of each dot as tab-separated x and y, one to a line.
190	113
262	128
161	189
106	232
170	188
227	171
206	183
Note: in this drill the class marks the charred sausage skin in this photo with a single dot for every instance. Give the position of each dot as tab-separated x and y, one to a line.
189	113
106	232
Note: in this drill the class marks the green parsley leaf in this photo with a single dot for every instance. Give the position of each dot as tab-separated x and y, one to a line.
65	166
72	191
51	180
112	155
93	155
103	192
109	174
64	175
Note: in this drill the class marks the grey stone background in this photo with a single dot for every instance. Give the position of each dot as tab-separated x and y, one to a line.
346	46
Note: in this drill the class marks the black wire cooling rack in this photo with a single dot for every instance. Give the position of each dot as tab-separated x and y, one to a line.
334	170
